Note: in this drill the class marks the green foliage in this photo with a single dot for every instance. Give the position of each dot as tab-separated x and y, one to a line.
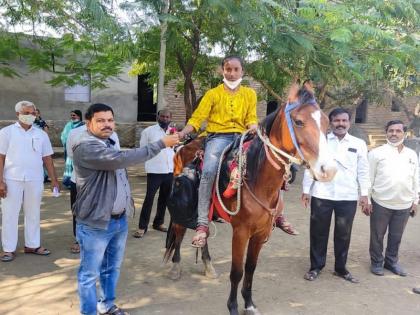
350	43
71	39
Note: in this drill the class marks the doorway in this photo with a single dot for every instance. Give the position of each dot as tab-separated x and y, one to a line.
146	107
361	112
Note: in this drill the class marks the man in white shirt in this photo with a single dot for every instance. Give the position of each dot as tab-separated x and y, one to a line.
339	196
159	175
23	151
394	174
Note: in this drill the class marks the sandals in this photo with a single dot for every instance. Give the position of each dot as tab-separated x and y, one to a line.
75	248
7	256
160	228
346	276
200	238
139	233
311	275
285	226
41	251
115	310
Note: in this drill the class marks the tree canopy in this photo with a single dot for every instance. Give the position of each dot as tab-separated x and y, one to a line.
350	48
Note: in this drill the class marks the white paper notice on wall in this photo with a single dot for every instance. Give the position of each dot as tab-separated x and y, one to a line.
77	93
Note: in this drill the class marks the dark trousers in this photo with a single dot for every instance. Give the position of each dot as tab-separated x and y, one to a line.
321	212
73	195
163	182
381	220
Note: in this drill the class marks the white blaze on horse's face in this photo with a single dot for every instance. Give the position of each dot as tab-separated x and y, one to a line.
324	167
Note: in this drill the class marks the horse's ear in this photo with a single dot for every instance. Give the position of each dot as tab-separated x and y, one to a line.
309	86
293	93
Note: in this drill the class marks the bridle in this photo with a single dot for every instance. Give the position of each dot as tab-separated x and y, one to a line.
283	157
279	154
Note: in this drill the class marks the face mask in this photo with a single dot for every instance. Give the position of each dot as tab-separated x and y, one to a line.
27	119
395	144
163	124
232	84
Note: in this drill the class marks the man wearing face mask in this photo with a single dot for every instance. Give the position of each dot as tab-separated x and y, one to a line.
394	194
338	196
229	109
159	175
23	151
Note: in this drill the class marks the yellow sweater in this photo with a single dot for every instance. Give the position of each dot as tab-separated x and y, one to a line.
226	112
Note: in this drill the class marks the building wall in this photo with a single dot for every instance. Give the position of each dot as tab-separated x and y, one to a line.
121	95
379	115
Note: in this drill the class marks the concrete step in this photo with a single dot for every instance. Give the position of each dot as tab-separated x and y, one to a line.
377	137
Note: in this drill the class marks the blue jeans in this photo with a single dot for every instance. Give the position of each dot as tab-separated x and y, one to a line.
101	255
215	144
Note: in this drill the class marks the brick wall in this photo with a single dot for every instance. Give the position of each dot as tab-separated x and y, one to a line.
379	115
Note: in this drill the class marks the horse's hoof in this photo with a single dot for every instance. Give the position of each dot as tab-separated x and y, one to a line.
175	272
210	272
233	311
252	310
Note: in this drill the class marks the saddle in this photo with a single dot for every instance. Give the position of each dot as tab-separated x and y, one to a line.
183	200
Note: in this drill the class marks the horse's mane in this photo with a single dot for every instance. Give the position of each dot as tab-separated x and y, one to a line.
256	153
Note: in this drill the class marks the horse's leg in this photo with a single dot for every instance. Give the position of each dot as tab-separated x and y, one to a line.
239	241
209	270
255	244
175	272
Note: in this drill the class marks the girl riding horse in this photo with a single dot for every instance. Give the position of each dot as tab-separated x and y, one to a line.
229	109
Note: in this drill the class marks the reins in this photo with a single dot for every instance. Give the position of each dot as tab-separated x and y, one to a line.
283	157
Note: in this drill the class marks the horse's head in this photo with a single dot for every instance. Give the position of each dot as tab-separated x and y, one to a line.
303	132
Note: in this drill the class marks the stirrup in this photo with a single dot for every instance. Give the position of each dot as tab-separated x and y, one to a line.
200	238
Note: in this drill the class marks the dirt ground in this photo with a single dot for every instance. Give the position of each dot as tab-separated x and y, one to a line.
47	285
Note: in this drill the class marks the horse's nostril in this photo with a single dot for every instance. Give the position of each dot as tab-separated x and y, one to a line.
323	169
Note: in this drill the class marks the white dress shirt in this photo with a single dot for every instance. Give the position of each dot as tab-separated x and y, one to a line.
163	163
350	153
394	176
24	150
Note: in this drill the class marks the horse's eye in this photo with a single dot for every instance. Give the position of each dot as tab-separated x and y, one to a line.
299	123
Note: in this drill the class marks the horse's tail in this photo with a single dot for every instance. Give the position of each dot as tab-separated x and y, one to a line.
170	243
174	238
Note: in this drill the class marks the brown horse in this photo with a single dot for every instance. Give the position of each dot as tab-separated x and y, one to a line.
294	132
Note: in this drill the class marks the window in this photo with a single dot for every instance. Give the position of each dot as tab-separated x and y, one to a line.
77	93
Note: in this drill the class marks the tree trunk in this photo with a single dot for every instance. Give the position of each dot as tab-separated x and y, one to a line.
193	95
409	114
189	96
162	58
